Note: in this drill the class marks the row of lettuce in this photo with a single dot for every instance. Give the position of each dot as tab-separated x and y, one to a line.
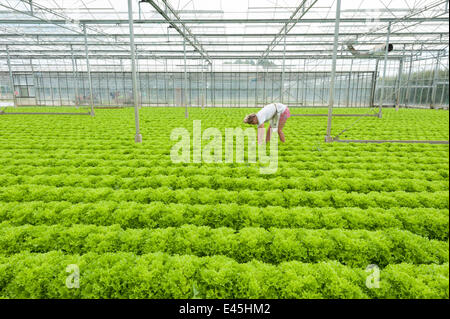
426	222
314	162
355	248
126	275
287	198
359	185
426	173
109	147
332	156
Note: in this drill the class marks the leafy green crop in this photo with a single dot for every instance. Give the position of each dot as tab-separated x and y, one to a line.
427	222
126	275
78	190
355	248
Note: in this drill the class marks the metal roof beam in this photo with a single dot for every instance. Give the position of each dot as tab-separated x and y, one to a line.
194	42
301	10
221	35
220	21
409	16
79	27
224	44
193	57
40	51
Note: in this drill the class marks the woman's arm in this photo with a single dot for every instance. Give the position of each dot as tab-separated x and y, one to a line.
269	133
261	133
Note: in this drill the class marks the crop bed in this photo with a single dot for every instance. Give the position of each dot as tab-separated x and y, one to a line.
78	190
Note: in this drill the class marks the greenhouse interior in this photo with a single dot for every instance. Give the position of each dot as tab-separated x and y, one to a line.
212	57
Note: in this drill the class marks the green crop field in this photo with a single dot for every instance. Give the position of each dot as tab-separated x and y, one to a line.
78	190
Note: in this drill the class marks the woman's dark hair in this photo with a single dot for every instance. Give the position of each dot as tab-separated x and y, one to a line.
250	118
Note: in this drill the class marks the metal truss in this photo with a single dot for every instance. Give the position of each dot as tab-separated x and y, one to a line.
208	43
391	141
301	10
183	31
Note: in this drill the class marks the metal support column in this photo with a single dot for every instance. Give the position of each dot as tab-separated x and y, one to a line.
138	136
74	72
186	113
399	86
284	65
202	89
265	69
443	91
11	81
349	83
409	77
399	80
374	84
213	84
435	79
166	100
328	138
35	83
423	75
135	56
91	96
383	82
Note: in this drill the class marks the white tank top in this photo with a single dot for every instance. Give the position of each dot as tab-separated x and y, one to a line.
272	113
